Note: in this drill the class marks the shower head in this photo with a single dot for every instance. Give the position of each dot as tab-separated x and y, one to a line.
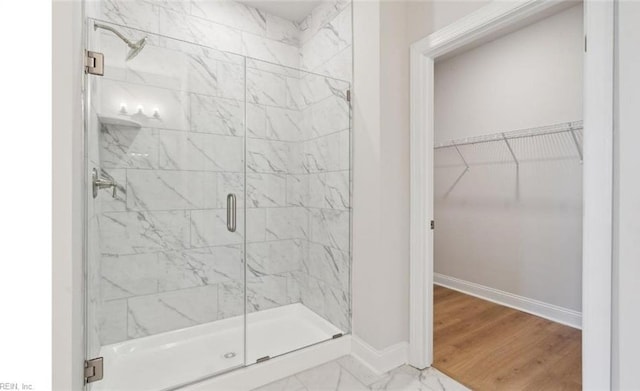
135	47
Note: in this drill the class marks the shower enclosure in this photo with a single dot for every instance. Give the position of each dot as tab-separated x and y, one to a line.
217	205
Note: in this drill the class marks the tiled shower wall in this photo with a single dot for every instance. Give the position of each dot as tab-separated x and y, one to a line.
167	260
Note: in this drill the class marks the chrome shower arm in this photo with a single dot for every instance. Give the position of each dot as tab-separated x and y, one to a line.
116	32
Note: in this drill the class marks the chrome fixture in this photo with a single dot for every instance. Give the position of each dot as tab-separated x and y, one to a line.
231	212
102	183
135	47
94	63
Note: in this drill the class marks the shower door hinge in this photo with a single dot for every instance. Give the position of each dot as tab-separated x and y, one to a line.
261	359
94	63
93	370
348	95
433	224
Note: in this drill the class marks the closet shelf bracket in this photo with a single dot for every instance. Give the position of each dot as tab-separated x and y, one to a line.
513	155
576	143
466	168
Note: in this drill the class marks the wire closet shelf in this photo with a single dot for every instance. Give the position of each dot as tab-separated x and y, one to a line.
564	127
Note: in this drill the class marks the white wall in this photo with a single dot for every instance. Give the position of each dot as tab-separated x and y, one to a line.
626	263
381	174
519	234
531	77
425	17
68	354
380	275
394	116
367	220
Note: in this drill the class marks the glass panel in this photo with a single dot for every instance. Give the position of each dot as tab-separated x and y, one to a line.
165	275
298	209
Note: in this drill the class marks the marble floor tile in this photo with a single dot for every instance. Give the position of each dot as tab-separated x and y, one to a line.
330	376
359	370
290	383
408	378
349	374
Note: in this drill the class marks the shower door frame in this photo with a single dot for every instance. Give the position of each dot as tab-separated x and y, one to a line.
491	21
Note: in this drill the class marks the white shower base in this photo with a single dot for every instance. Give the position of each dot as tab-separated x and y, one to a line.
165	361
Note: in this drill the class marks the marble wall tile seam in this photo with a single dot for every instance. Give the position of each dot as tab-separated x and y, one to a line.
331	133
315	70
183	130
129	79
173	5
333	9
163	291
330	246
177	250
335	285
327	209
266	138
216	94
195	208
111	11
267	241
266	207
232	10
266	105
230	26
267	20
307	173
330	39
270	52
311	241
305	72
284	71
263	23
342	94
254	171
301	196
186	170
255	275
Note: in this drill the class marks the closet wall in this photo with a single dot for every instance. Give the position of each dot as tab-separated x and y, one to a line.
517	233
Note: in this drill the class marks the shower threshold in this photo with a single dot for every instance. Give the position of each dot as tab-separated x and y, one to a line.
168	360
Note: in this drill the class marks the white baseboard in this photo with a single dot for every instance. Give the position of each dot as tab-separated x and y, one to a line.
544	310
380	361
254	376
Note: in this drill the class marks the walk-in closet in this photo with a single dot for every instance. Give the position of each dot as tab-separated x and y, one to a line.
508	208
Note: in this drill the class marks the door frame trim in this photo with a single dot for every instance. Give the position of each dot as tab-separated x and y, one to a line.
491	21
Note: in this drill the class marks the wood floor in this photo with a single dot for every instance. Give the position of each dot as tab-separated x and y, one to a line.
487	346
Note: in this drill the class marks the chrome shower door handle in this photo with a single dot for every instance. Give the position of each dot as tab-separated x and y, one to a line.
231	212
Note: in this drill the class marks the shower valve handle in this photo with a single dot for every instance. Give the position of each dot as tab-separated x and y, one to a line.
102	183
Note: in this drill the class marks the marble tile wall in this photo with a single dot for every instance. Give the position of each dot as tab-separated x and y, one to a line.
326	49
223	24
167	260
326	38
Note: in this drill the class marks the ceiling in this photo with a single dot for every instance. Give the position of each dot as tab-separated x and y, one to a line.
291	10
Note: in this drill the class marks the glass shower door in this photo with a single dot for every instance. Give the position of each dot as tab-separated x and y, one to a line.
165	228
298	209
